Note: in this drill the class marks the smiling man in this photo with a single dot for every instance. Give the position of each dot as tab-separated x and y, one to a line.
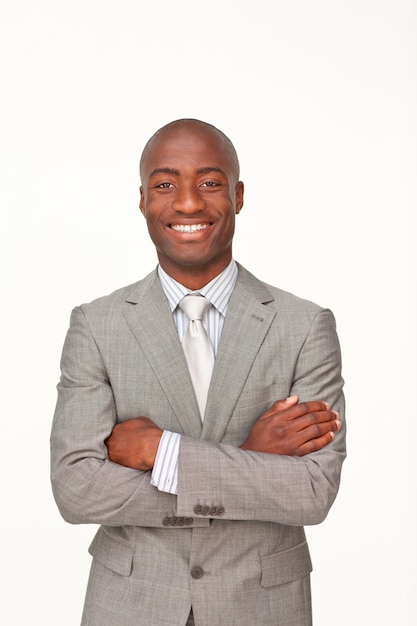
201	467
190	196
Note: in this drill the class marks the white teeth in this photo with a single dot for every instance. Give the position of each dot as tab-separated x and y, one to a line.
188	228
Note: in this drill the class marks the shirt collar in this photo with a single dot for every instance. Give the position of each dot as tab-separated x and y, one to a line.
218	290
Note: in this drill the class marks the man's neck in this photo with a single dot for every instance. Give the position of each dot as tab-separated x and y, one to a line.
195	279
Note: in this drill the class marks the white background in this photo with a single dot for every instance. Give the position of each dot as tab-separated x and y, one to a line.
320	99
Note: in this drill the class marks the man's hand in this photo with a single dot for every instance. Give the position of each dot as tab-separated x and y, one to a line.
134	443
293	429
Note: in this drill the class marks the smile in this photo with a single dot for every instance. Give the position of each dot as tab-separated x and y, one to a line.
189	228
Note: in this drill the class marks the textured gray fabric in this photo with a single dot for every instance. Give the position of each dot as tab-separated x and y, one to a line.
231	544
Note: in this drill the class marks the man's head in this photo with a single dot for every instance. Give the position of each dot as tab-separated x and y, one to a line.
190	195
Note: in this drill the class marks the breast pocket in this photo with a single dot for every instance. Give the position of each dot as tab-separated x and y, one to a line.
252	403
260	398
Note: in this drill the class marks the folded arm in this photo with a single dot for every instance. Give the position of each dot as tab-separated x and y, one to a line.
253	485
88	487
96	484
288	427
258	480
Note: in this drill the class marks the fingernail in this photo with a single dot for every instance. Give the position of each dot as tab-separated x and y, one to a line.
338	424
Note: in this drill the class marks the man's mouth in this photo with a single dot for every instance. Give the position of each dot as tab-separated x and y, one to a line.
189	228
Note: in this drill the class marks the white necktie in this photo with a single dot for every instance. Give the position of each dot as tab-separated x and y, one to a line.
197	347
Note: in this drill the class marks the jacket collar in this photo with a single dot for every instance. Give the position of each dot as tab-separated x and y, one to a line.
247	322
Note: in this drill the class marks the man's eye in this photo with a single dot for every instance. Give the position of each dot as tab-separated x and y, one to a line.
164	185
210	183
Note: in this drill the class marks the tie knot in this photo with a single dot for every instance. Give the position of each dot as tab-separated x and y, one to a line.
194	306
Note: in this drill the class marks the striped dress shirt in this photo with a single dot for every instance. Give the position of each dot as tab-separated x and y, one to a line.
218	291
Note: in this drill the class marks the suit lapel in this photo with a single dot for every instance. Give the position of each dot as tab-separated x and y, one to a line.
246	324
150	319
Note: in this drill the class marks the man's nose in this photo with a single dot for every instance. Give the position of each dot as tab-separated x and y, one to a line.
188	199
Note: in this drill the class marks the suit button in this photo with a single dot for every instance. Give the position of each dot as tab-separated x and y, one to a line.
213	510
220	511
205	510
166	521
197	572
188	521
197	509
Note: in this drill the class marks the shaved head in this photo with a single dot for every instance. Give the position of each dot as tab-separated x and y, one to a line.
190	195
191	126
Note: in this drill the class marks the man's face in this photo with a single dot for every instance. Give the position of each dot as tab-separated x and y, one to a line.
190	196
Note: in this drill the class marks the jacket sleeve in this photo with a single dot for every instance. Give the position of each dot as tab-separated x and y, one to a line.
230	483
87	487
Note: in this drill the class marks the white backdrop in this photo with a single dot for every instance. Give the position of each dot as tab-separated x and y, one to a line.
320	99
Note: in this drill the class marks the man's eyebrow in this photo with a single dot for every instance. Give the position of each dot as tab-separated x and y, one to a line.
164	170
213	168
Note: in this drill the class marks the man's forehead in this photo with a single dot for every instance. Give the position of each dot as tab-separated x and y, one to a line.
184	139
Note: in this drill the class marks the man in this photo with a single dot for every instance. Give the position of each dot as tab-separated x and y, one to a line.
201	496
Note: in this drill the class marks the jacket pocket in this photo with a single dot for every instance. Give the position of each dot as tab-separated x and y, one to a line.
287	566
112	553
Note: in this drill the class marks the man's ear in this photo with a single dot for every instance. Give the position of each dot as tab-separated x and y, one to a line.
239	193
142	201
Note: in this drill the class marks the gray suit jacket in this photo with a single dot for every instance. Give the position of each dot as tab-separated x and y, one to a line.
231	544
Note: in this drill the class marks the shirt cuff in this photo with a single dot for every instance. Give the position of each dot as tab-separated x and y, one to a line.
165	470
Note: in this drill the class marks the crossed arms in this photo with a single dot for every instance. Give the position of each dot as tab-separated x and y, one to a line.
288	427
290	459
